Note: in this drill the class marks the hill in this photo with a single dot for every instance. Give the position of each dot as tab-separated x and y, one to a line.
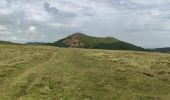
163	50
35	43
50	73
79	40
8	43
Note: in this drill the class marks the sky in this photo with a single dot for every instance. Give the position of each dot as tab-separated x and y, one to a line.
145	23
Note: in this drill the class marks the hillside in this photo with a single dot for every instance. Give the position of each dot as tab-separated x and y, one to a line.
50	73
80	40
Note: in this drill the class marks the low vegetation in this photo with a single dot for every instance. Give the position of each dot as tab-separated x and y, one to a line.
50	73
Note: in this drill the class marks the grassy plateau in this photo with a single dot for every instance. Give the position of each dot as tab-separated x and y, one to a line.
51	73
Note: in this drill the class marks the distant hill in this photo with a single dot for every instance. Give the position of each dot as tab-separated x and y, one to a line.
80	40
163	50
35	43
8	43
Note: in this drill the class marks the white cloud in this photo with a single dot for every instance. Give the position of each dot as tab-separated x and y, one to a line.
5	11
4	30
3	8
32	29
129	20
151	2
3	3
5	33
12	38
2	27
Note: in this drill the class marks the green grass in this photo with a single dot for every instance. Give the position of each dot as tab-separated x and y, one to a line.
107	43
49	73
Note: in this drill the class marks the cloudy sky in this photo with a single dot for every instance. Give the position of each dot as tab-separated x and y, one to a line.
144	23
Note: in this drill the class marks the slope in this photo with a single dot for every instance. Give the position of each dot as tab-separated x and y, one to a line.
80	40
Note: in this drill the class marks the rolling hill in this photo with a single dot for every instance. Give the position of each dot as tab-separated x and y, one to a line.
80	40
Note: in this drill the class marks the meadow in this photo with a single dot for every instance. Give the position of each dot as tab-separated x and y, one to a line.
51	73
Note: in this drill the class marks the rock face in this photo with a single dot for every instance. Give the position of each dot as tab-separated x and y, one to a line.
74	42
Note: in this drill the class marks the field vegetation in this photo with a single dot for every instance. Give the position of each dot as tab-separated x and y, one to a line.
51	73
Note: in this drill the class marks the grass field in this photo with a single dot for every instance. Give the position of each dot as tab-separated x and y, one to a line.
50	73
